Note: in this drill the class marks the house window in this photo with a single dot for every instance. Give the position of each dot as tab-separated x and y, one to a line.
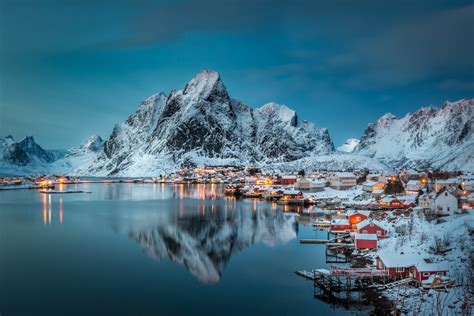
364	232
440	273
399	269
448	209
425	274
379	233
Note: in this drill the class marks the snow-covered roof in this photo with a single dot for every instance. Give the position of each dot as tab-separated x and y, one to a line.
291	192
387	199
413	182
351	212
378	191
425	266
370	183
288	177
365	236
447	181
407	198
369	221
344	174
395	260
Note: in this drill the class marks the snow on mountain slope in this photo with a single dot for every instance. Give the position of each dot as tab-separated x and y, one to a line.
201	123
348	145
429	138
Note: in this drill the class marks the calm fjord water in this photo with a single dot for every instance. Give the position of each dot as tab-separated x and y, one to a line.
144	249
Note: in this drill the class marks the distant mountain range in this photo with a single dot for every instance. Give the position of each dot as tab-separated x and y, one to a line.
201	124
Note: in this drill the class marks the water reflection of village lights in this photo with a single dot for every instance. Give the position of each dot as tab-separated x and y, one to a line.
47	208
60	210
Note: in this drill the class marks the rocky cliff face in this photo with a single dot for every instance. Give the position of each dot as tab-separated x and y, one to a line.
202	124
430	137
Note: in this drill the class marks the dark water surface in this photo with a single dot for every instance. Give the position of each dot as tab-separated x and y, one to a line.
153	249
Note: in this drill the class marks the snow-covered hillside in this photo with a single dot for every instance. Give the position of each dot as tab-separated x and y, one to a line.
202	124
430	137
348	145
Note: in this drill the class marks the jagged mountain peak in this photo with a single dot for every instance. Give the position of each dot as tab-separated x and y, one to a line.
93	143
206	85
280	113
386	119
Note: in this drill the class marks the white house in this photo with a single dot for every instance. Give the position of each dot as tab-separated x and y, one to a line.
445	203
342	180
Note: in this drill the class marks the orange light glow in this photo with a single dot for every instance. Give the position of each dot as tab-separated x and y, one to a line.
60	210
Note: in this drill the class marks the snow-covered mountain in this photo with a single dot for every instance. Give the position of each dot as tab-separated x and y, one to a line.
28	157
430	137
201	124
348	145
25	156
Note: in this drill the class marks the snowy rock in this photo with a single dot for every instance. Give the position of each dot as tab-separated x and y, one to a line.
348	145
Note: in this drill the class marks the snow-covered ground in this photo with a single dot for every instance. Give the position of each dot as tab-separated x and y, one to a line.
418	241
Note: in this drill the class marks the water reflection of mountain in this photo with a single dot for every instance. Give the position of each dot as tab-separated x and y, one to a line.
205	243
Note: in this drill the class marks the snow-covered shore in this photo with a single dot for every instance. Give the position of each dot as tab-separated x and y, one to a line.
414	235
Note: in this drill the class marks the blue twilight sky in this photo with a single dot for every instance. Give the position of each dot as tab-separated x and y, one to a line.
72	68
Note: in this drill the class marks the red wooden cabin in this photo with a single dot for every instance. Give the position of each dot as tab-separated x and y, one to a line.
365	241
370	226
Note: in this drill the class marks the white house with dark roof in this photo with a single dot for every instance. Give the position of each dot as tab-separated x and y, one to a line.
445	203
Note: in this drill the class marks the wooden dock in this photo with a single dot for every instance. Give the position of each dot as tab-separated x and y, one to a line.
314	241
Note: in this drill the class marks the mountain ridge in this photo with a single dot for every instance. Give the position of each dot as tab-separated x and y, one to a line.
201	124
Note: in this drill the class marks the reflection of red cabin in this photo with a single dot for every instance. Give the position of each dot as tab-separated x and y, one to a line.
401	266
355	217
370	226
285	180
365	241
340	225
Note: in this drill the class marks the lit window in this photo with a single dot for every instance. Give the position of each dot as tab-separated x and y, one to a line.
399	269
426	274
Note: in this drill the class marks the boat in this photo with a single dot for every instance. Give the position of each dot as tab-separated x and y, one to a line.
62	192
321	223
437	282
